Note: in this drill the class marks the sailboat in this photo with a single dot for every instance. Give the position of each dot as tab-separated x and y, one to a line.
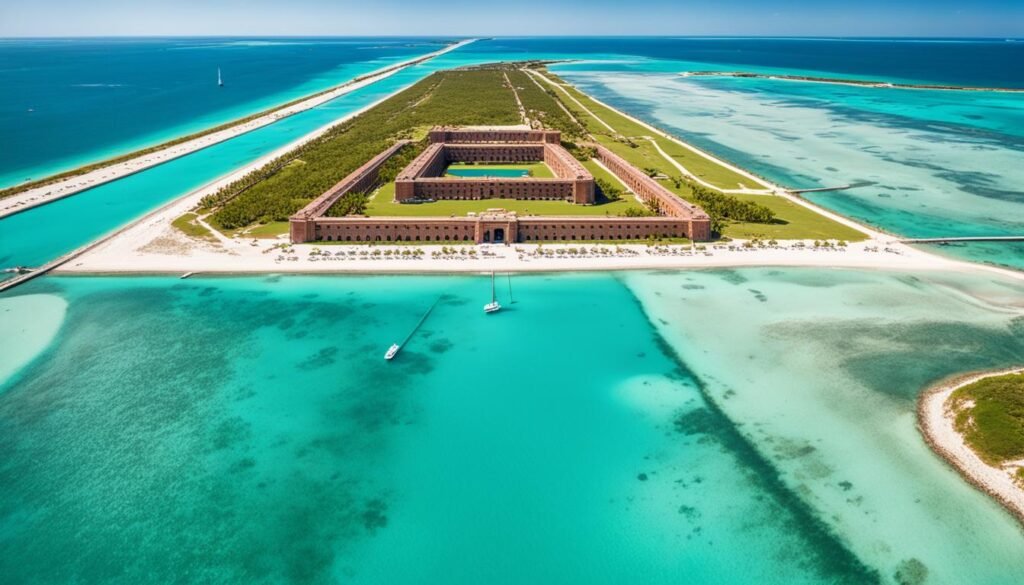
494	306
220	80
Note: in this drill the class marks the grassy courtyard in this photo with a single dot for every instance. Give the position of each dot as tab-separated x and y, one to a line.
382	204
537	170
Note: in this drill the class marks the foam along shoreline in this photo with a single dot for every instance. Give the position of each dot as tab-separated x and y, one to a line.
935	422
52	191
845	81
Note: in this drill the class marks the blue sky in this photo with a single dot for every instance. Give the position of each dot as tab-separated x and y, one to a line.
999	18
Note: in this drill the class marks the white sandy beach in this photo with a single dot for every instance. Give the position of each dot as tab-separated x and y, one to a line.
75	184
154	246
936	423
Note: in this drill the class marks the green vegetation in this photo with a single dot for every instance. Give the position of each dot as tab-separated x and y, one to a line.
723	208
267	230
384	205
606	190
542	105
538	170
279	189
990	416
350	204
794	222
187	224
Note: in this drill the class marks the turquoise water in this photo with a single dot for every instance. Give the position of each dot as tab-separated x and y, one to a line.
513	173
601	429
931	163
75	221
66	91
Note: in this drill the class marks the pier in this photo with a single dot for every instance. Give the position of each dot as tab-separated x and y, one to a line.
822	189
954	240
839	188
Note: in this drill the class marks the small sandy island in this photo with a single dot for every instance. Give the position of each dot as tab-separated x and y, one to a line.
935	419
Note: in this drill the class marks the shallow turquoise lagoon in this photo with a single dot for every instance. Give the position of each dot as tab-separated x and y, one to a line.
514	173
926	163
601	429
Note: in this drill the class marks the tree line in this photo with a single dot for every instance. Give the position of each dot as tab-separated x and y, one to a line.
274	192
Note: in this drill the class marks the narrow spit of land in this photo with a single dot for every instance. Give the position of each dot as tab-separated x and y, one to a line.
847	81
23	197
243	218
938	410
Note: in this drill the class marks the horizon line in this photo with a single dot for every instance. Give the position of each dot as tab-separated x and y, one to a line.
512	36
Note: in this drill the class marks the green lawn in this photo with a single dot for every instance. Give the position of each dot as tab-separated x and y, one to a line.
189	227
600	172
382	204
994	427
538	170
795	223
267	230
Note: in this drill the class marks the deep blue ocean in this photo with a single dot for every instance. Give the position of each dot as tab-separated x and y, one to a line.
979	62
70	101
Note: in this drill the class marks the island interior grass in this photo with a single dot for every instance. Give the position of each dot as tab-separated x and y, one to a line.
990	416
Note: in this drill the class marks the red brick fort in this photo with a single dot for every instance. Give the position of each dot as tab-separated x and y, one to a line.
423	180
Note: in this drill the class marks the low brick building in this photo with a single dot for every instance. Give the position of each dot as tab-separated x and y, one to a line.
496	227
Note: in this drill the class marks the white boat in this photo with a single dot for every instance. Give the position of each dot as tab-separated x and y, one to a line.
494	306
392	351
220	81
